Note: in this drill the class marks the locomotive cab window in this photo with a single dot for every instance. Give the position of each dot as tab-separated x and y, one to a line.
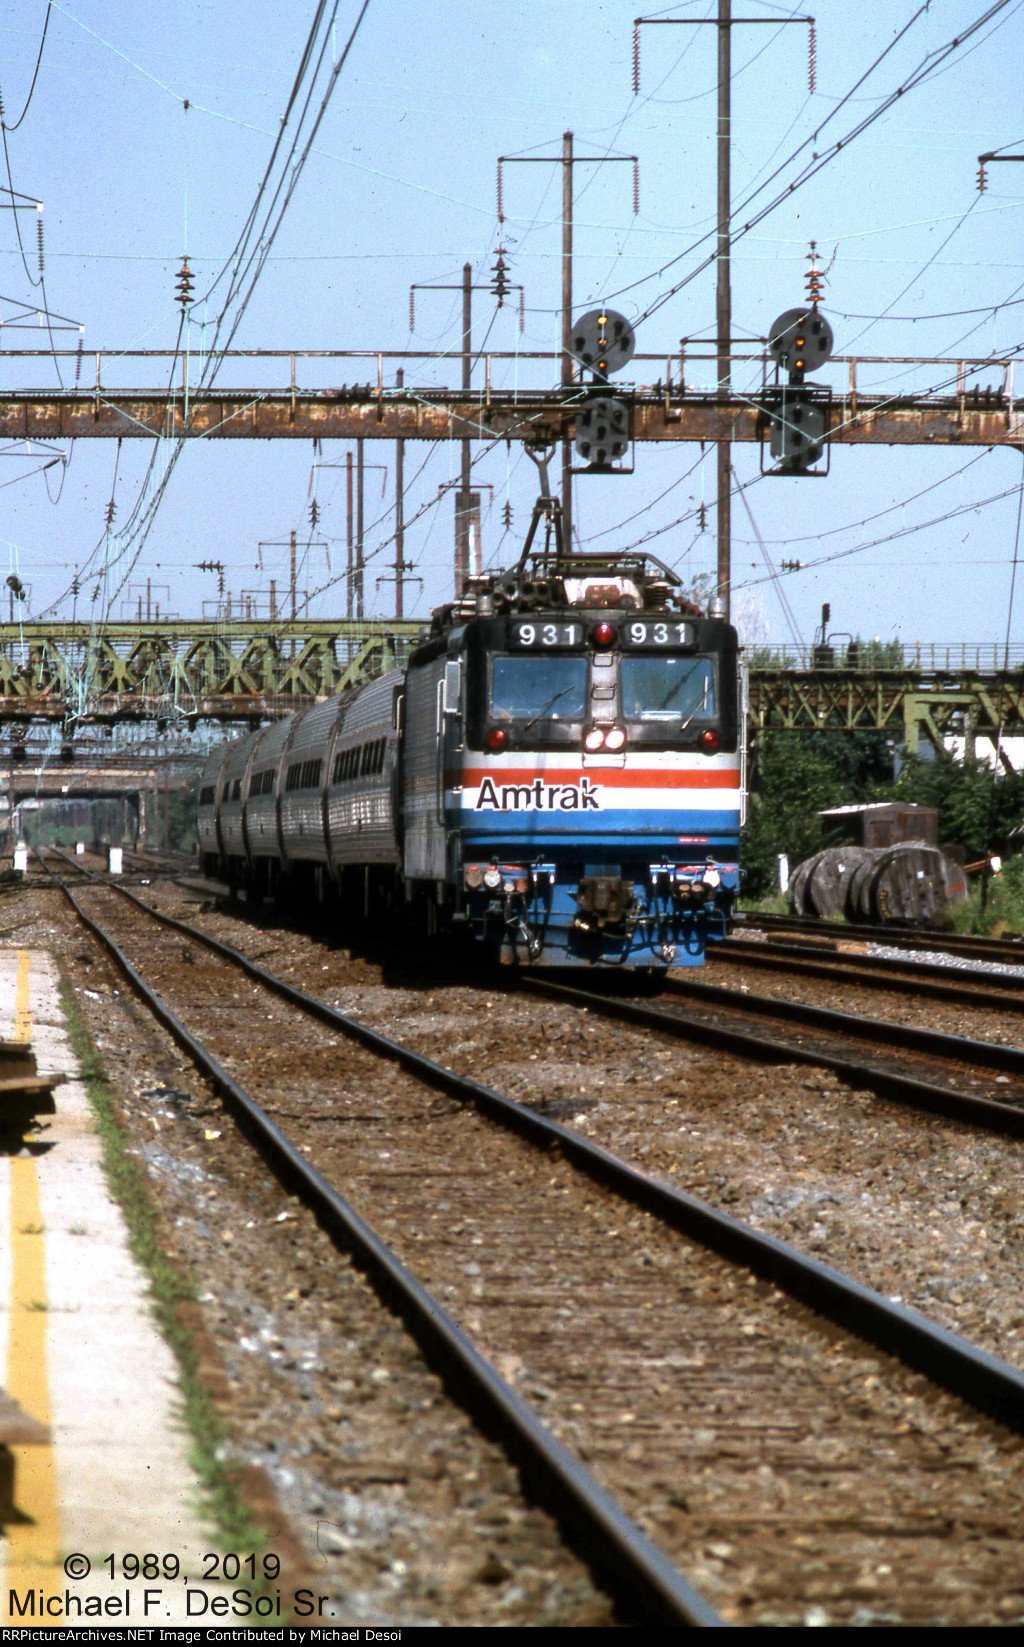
538	687
656	687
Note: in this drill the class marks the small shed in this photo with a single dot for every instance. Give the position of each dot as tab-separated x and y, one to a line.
880	823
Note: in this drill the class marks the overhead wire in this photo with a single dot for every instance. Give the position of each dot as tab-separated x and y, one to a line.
12	127
925	69
248	262
893	537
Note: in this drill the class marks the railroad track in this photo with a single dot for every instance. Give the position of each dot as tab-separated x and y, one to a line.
923	1068
757	1446
931	980
1007	950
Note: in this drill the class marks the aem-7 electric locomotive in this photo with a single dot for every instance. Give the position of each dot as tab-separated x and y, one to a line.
558	768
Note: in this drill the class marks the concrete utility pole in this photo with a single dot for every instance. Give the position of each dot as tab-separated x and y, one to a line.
400	563
567	160
358	571
567	331
723	298
723	287
463	496
349	538
462	504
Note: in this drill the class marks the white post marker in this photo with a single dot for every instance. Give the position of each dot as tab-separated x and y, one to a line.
783	871
116	854
80	848
21	858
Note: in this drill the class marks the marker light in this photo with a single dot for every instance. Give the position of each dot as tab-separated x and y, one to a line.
593	739
604	634
615	738
709	740
492	876
474	877
496	738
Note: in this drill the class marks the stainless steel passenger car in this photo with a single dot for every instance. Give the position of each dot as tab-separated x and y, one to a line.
558	771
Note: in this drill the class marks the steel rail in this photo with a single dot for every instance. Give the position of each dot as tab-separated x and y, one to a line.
986	1113
942	983
982	1380
896	937
604	1533
933	1043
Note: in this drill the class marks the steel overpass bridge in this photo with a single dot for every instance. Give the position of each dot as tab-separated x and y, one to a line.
63	678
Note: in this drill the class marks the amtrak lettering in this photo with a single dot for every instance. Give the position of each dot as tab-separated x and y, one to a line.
550	797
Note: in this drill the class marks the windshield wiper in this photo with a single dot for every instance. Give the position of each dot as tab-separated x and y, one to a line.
549	705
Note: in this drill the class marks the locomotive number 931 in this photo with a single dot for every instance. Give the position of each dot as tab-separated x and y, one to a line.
558	770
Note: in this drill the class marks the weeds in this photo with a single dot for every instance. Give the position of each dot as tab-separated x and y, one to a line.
169	1291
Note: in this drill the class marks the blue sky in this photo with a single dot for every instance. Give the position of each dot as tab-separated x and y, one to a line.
400	188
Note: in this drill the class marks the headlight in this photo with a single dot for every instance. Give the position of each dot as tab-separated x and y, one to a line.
594	739
614	738
492	876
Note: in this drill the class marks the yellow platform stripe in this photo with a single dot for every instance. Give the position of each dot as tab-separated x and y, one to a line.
32	1546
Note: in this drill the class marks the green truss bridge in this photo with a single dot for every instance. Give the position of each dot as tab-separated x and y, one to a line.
183	672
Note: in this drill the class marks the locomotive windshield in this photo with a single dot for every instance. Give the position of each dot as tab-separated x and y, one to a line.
539	688
658	688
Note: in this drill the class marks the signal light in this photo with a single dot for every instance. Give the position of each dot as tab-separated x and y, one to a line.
709	740
604	634
496	738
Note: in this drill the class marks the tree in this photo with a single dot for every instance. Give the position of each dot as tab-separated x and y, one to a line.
792	780
978	807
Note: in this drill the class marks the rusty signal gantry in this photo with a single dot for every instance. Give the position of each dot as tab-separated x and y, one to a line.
668	409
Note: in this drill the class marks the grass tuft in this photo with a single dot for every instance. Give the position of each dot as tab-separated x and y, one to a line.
169	1290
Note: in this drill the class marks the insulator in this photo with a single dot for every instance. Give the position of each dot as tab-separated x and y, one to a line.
702	518
813	279
501	202
499	278
183	286
2	115
636	188
412	310
812	56
39	238
314	513
982	177
506	514
636	59
522	311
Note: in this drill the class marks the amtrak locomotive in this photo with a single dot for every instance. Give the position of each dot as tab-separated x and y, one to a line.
557	770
